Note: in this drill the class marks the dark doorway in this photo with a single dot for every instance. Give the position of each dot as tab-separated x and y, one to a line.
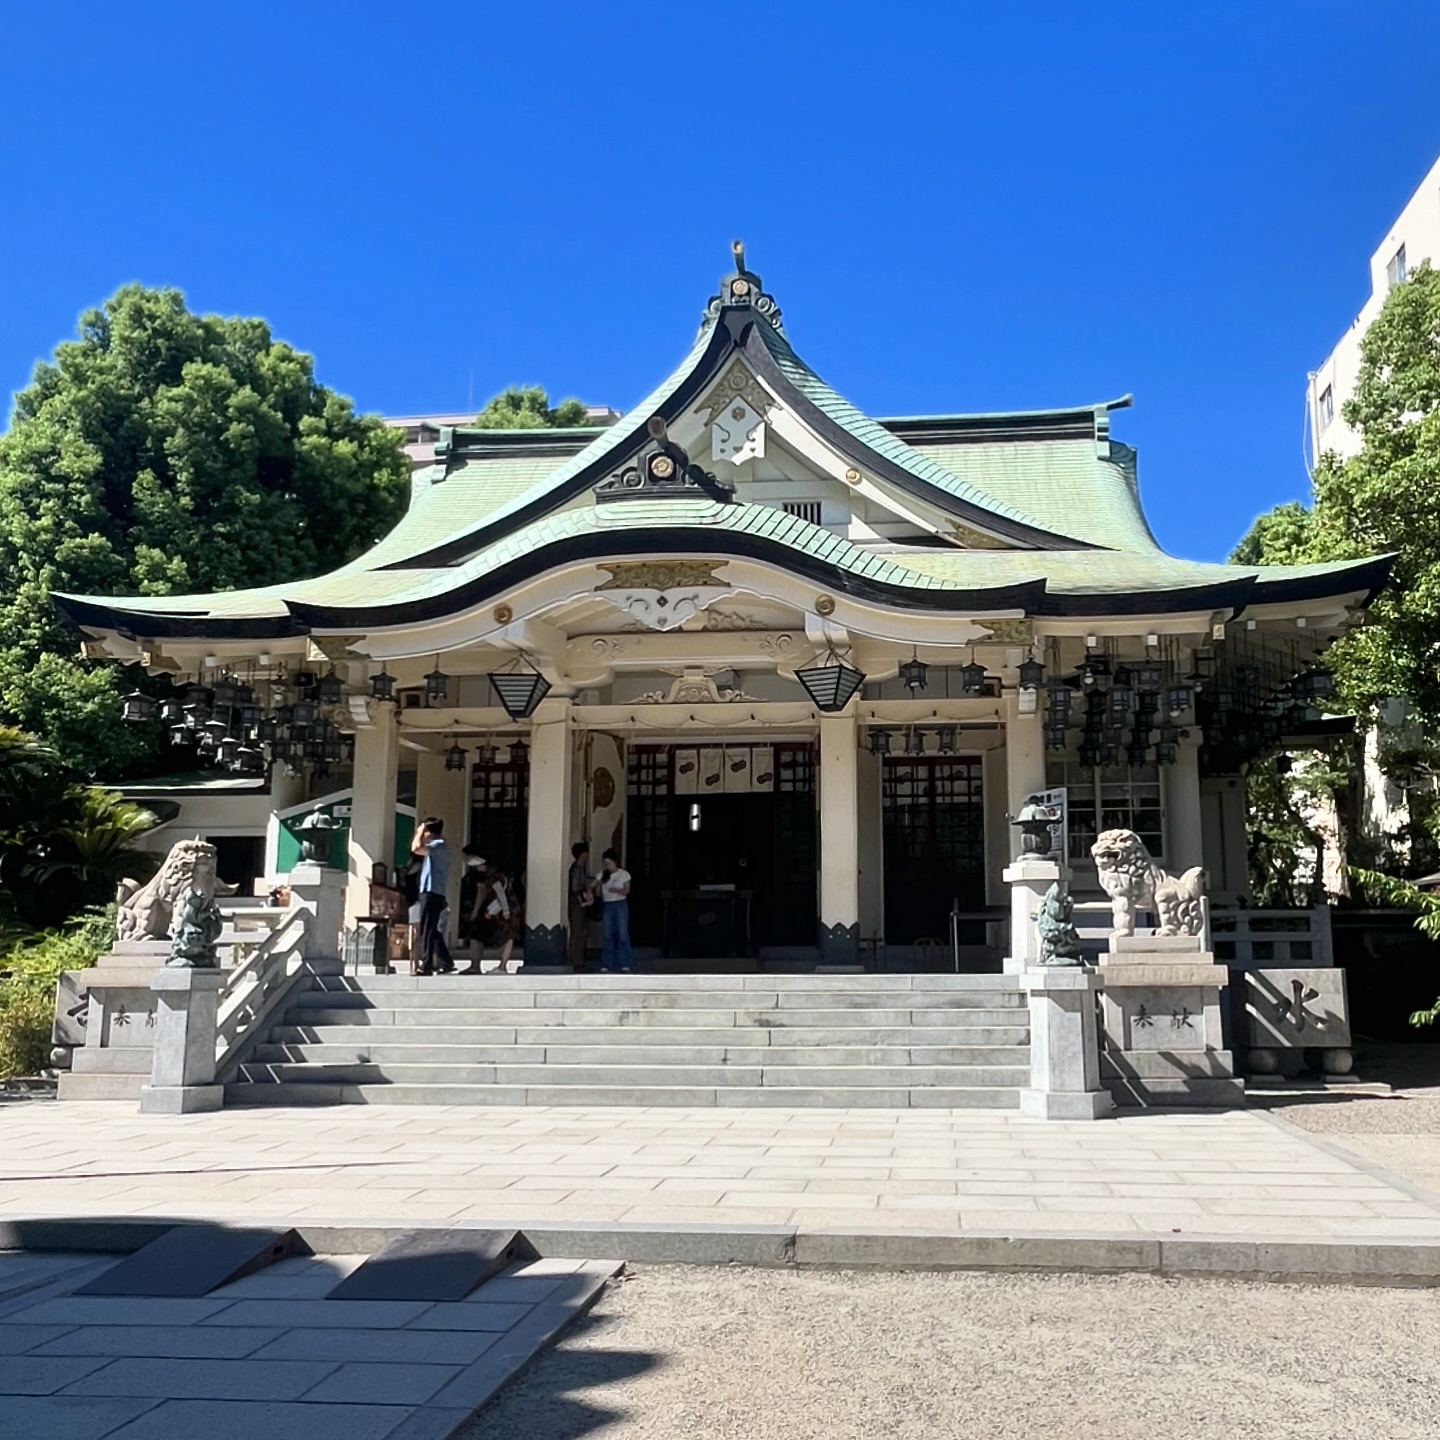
500	814
761	843
239	860
934	818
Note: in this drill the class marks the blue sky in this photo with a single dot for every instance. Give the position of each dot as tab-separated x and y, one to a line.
960	206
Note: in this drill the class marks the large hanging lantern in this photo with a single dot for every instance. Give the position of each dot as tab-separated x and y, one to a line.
1178	699
1055	737
1031	673
913	673
455	757
382	685
830	684
945	739
915	741
137	707
487	755
437	685
250	760
1317	685
519	691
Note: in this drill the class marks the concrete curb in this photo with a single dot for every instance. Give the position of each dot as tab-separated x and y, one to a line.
1339	1261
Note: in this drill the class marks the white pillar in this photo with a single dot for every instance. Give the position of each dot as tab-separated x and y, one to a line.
1024	760
372	811
1184	827
1028	878
839	843
870	813
445	794
547	856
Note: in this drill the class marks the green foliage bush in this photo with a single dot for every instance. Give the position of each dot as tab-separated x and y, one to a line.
27	987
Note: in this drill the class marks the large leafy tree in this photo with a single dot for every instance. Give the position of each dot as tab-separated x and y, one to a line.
527	407
1385	498
163	452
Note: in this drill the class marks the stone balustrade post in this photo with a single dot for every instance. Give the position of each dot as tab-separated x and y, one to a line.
322	890
1064	1045
182	1075
1029	878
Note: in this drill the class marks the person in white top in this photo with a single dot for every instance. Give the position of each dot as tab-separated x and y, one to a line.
615	952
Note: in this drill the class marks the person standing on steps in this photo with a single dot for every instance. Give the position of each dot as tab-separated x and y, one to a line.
581	892
615	952
430	848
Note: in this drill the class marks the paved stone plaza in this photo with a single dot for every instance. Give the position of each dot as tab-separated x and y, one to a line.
1240	1174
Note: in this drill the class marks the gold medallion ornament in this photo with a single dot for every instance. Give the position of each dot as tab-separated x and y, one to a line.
852	477
503	614
824	605
663	466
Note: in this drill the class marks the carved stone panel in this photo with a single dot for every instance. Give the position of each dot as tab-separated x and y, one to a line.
1296	1009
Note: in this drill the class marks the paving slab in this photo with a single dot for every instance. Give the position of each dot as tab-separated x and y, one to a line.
63	1417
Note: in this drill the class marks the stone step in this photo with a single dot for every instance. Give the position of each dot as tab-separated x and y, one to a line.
320	1008
586	1078
386	1053
943	1097
886	984
354	1030
479	992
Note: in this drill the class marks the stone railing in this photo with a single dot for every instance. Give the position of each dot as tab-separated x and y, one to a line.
207	1020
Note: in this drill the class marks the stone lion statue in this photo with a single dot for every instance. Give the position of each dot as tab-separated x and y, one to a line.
1133	881
148	912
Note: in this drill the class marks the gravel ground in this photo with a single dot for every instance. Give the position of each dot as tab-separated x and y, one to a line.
679	1353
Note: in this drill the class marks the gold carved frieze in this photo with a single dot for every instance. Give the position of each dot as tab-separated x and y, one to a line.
661	575
1009	632
737	383
973	539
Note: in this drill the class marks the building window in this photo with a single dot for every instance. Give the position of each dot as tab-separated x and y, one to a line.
1396	271
1114	798
1327	406
807	510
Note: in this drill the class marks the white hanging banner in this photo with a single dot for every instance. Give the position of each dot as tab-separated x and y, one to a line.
687	772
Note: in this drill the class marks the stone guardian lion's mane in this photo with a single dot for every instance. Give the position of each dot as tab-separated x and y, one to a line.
147	912
1134	882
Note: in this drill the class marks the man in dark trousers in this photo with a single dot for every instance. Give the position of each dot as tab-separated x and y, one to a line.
430	847
579	887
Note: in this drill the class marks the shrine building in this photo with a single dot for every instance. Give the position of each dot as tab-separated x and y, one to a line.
797	664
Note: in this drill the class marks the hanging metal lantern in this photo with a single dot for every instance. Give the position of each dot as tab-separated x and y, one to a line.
249	715
1149	678
137	707
283	748
830	685
305	683
1109	754
215	731
437	685
197	712
519	751
455	757
879	739
382	686
227	692
1031	673
330	688
172	712
913	673
487	755
945	739
227	750
267	728
973	680
250	760
518	691
1055	737
1095	673
1136	754
1119	703
1089	756
1222	698
1178	699
1317	685
303	712
915	741
1165	753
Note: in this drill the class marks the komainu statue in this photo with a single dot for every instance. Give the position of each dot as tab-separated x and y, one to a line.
1133	881
148	912
197	932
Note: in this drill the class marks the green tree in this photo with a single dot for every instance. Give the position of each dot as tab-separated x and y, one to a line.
527	407
164	452
1385	498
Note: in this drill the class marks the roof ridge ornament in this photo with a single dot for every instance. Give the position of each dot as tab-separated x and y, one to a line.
742	289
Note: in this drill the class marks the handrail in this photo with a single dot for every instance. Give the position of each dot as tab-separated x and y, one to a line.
252	987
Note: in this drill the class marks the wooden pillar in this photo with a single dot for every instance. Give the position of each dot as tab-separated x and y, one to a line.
839	843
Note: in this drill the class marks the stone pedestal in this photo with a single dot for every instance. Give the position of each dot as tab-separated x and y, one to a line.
1161	1012
182	1075
1028	878
322	890
1295	1019
1064	1046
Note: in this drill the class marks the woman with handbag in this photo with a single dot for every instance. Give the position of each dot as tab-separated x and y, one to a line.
501	921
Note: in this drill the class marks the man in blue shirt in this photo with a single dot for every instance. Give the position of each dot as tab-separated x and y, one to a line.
429	845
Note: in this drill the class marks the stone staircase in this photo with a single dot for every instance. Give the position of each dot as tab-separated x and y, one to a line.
879	1040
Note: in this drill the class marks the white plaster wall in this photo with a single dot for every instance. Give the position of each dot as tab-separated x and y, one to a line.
1417	227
